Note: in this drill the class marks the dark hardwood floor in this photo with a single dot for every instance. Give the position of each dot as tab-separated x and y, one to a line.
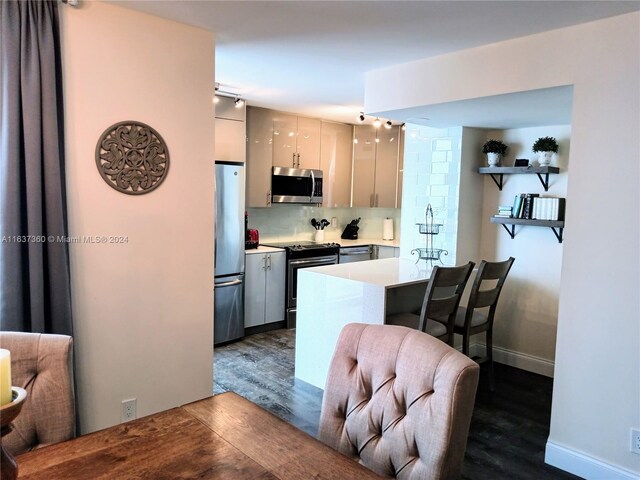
508	430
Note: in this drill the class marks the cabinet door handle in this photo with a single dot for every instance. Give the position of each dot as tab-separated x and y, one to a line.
294	160
268	198
269	259
376	204
298	160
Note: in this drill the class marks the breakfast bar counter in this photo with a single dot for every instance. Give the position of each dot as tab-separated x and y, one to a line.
332	296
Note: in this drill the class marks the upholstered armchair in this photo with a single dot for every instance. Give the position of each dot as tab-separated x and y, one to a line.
399	401
42	365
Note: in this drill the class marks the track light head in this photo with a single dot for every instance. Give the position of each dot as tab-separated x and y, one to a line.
361	117
388	124
403	127
239	102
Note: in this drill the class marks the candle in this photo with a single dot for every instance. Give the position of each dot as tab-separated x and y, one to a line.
5	377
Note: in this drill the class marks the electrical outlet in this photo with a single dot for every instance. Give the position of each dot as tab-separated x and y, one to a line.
635	441
128	410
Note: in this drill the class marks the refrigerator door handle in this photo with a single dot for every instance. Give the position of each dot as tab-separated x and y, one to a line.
227	284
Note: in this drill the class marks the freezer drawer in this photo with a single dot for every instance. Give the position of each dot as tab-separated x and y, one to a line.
228	317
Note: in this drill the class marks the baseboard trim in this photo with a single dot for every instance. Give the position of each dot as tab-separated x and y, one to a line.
583	465
520	360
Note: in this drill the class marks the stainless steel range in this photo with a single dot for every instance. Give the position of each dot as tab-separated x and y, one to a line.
303	255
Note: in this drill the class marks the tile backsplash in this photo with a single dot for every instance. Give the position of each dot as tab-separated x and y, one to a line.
280	223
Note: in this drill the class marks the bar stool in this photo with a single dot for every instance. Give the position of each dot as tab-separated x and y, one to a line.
438	313
470	321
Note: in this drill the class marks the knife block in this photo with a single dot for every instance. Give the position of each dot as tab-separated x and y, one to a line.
350	232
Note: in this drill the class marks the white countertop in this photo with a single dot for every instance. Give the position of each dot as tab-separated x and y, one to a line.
367	241
388	273
263	249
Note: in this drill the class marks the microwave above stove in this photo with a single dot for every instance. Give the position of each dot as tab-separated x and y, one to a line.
296	185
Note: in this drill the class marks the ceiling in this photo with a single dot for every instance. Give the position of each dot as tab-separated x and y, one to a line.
311	57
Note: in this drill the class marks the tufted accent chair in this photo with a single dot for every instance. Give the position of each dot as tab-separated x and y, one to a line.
399	401
41	364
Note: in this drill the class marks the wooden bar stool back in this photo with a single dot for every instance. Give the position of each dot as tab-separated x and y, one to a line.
440	304
471	320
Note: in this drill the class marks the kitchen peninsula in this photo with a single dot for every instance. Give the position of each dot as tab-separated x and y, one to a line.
332	296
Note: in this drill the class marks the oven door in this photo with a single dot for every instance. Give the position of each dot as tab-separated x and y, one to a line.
292	274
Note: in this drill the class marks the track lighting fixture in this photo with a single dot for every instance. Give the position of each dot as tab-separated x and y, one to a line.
361	117
239	102
403	127
377	123
388	124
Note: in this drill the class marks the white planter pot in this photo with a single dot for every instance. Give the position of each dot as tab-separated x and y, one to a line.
493	159
544	158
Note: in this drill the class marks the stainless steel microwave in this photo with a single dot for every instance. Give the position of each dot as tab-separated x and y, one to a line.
296	185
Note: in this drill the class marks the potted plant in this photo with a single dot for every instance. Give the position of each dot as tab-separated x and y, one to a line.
494	149
545	147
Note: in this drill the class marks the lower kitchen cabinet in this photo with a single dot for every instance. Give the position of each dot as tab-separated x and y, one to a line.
382	251
264	293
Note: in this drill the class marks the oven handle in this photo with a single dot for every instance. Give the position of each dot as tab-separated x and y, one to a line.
325	261
317	261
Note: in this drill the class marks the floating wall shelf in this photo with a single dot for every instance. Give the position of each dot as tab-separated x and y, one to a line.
497	173
557	226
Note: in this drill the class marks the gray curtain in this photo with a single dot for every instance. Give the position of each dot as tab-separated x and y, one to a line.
35	291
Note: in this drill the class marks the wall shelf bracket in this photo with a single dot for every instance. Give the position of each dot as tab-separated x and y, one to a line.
511	231
558	233
498	180
545	182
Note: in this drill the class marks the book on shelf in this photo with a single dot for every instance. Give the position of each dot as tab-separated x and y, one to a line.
517	205
548	208
523	205
527	210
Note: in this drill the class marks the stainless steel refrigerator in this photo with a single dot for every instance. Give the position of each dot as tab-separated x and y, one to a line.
229	252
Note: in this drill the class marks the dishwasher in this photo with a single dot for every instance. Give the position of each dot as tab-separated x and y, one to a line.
355	254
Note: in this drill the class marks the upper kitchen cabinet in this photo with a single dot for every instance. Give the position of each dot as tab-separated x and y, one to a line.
296	141
231	134
364	165
226	108
376	156
387	155
259	156
336	146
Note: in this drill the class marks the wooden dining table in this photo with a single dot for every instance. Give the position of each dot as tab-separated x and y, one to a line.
220	437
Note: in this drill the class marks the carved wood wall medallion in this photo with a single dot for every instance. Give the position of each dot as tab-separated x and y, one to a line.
132	157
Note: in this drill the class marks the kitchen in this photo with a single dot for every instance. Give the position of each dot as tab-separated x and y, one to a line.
298	171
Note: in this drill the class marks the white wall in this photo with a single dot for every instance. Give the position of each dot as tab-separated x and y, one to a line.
470	217
526	320
431	176
143	310
596	396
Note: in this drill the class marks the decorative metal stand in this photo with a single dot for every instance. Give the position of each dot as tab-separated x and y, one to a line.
8	413
429	253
